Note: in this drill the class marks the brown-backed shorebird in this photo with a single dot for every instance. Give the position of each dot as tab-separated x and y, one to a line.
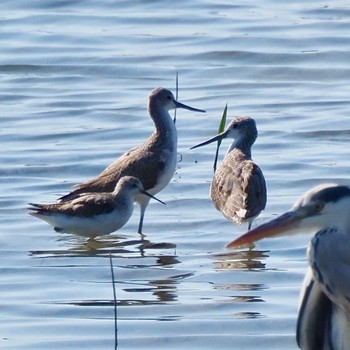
154	162
238	188
324	314
93	214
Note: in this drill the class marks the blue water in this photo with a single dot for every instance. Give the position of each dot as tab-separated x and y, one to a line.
74	83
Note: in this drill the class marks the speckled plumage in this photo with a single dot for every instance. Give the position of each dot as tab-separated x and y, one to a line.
238	189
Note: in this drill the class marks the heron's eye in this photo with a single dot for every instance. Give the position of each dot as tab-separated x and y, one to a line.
168	97
235	126
318	207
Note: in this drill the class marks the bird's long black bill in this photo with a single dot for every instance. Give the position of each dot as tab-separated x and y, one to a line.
217	155
181	105
149	195
213	139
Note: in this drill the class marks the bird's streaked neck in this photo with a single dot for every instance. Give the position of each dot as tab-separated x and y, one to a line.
161	118
242	144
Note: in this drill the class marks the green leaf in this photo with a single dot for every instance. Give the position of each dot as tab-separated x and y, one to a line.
220	130
223	120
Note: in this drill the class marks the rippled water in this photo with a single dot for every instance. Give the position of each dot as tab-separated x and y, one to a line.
75	78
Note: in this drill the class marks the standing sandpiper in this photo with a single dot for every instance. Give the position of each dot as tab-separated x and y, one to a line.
93	214
154	162
238	188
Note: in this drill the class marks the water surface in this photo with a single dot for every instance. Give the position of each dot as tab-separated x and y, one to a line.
75	78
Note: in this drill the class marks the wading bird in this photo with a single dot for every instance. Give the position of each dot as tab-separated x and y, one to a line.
93	214
324	314
153	163
238	188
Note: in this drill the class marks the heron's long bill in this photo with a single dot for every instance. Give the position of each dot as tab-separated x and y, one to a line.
181	105
218	137
284	222
149	195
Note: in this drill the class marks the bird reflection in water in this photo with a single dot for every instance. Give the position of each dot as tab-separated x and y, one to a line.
117	245
241	260
241	292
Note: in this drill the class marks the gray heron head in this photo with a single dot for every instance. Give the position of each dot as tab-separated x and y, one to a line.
320	207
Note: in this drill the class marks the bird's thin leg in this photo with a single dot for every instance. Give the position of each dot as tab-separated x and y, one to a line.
141	224
143	206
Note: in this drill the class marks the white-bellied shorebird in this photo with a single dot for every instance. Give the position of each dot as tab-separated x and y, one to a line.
93	214
324	314
238	188
154	162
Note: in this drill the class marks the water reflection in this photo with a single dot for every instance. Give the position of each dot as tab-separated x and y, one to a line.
235	292
164	289
244	287
249	315
241	260
118	246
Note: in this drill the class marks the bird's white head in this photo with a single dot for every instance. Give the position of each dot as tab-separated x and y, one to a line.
163	99
129	184
324	205
132	186
242	127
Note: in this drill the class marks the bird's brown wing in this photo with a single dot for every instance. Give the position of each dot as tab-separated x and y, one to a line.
257	193
143	162
84	205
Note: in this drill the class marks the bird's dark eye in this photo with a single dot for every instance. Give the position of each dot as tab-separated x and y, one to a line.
168	97
318	207
235	126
